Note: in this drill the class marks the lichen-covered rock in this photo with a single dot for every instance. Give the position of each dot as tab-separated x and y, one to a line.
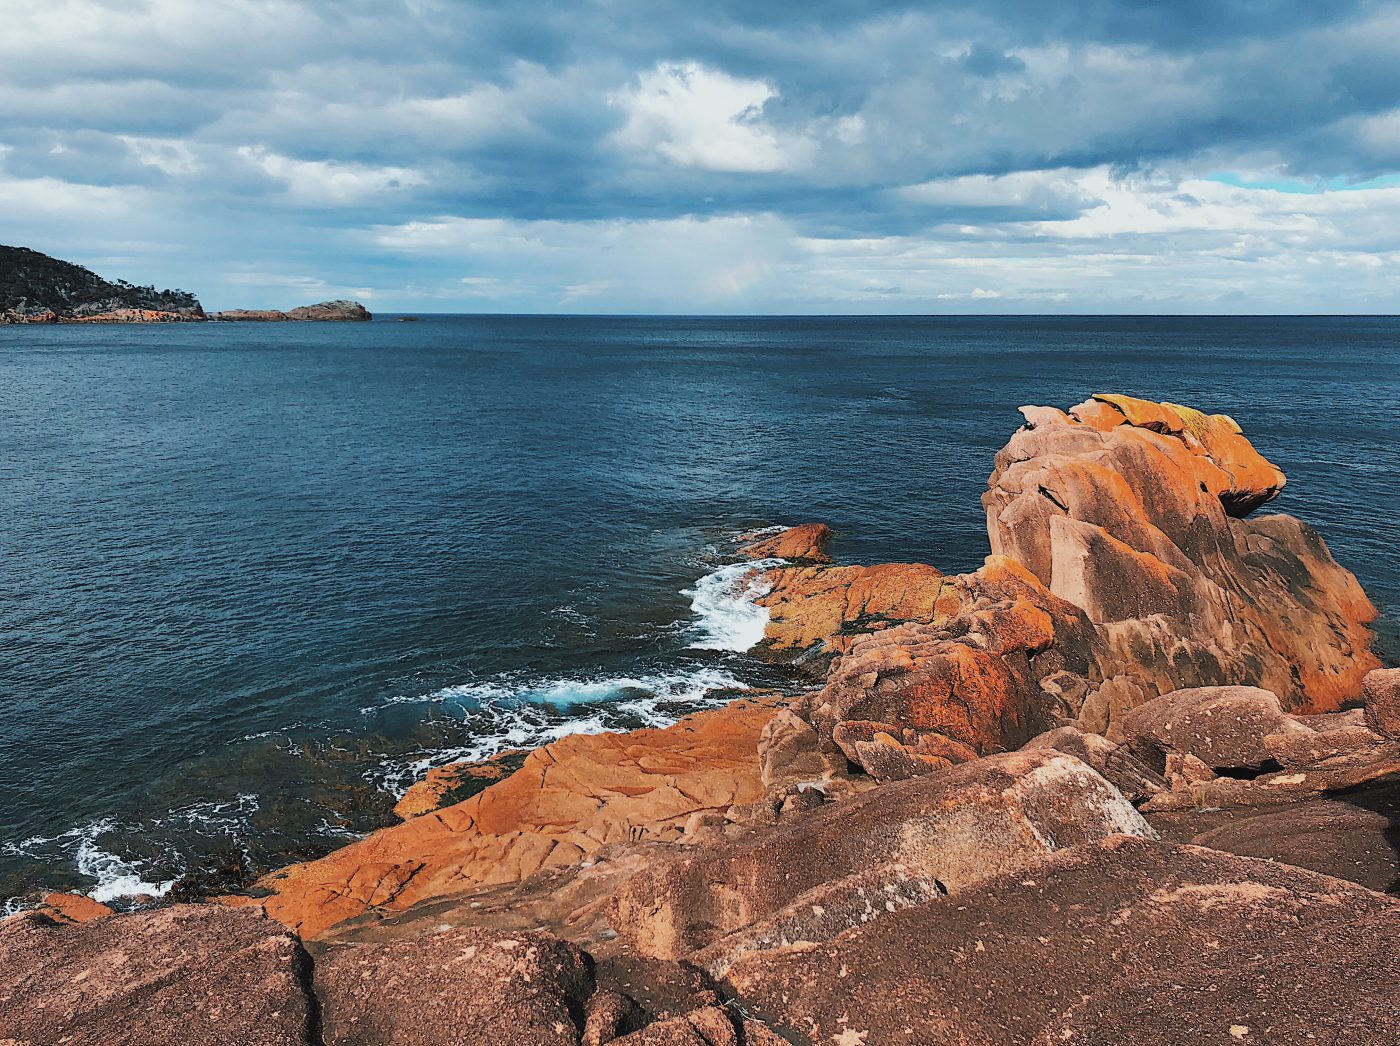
189	974
824	607
1130	942
918	697
465	987
803	545
1132	511
948	830
565	802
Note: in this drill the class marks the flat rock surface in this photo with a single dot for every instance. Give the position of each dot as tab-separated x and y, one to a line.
1131	942
568	800
189	974
464	987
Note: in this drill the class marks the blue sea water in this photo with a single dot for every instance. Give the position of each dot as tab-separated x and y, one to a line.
255	578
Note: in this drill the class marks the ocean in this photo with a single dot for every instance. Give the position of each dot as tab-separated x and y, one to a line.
255	579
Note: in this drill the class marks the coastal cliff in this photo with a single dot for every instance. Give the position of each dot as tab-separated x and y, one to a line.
1134	780
37	289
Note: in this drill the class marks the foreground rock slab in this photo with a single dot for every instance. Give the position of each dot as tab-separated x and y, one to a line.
899	845
188	974
461	988
1131	942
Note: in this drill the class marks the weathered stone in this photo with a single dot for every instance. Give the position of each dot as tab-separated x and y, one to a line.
1222	726
964	686
1131	776
804	545
1130	942
953	828
188	974
1131	511
465	987
569	799
1381	693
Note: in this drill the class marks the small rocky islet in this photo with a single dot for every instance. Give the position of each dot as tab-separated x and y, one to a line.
38	289
1133	781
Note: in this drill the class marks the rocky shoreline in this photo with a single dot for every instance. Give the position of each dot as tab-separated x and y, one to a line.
37	289
1135	780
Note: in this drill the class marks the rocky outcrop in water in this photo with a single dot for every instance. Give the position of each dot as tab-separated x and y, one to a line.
326	311
35	288
1026	805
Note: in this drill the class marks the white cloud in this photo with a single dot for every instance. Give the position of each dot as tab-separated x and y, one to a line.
328	183
698	117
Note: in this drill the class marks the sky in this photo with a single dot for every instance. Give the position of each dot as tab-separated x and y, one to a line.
677	156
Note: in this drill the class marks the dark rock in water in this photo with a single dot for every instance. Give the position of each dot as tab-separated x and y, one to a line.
1131	942
188	974
35	288
331	310
459	988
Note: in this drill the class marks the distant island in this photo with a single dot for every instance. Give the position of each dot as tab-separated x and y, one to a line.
35	288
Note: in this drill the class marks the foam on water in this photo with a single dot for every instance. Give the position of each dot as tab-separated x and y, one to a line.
115	877
501	715
725	601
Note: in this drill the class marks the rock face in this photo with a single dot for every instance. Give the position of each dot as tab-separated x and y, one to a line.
35	288
1131	942
451	784
899	845
192	973
1122	569
1133	511
566	801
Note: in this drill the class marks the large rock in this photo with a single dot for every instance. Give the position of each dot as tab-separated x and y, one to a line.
566	801
899	844
803	545
1225	727
919	697
188	974
1132	511
1381	693
465	987
1130	942
822	608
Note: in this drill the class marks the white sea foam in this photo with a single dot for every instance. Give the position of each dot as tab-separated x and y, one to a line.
725	601
520	713
116	877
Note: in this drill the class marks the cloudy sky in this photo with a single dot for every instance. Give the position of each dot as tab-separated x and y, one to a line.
722	157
